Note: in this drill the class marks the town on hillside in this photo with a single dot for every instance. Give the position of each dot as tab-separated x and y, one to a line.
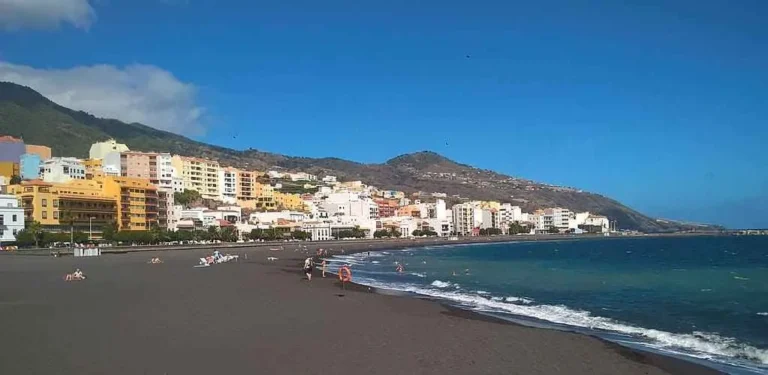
128	196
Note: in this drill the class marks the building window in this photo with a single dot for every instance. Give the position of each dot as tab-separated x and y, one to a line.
15	232
14	218
55	214
45	215
45	203
55	203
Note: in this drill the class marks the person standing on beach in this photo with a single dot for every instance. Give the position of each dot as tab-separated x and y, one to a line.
309	264
324	264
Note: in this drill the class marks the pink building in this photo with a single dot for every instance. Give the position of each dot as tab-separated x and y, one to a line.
156	167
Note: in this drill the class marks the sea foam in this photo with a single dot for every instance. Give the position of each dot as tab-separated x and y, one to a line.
698	344
441	284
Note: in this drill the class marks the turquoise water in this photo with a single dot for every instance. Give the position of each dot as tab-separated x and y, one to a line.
701	297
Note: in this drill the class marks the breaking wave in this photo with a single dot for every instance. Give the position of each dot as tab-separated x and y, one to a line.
702	345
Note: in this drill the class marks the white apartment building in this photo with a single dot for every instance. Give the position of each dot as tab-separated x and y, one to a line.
329	179
174	215
100	149
11	218
228	183
318	231
165	171
466	217
207	218
62	169
561	217
111	163
599	221
350	205
270	218
177	183
438	218
275	174
350	209
490	219
302	176
509	214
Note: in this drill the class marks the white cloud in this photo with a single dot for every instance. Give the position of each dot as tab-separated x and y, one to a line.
45	14
136	93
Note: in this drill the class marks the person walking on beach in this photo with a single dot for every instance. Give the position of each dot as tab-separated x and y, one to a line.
309	264
345	275
324	265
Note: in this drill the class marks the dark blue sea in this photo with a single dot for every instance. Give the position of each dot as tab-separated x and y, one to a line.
703	298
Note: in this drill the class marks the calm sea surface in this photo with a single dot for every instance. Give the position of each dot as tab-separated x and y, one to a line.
700	297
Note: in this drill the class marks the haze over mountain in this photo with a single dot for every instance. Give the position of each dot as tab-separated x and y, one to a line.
25	113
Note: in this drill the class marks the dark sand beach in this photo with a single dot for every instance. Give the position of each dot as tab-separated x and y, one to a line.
260	316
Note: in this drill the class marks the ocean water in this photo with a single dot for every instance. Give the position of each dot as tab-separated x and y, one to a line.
704	298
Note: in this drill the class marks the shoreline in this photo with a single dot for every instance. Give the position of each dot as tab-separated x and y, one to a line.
258	312
675	364
352	242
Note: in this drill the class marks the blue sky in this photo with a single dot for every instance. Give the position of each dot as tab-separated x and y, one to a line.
660	104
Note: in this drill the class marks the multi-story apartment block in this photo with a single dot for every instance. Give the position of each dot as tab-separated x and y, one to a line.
265	197
228	184
466	217
61	170
490	219
289	201
11	218
509	214
387	207
81	204
156	167
198	174
560	217
138	202
246	182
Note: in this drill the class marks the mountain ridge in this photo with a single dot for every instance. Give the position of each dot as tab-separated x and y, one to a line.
28	114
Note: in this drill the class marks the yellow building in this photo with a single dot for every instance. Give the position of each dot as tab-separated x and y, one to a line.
289	201
138	202
55	205
265	197
93	168
490	205
198	174
9	169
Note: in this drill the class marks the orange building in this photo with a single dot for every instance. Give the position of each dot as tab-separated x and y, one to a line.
138	202
43	151
387	207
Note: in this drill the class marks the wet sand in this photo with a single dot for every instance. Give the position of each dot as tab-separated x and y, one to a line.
259	316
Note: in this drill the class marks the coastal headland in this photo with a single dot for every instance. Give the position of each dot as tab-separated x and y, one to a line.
261	316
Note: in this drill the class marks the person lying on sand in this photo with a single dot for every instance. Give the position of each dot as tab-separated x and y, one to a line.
75	276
